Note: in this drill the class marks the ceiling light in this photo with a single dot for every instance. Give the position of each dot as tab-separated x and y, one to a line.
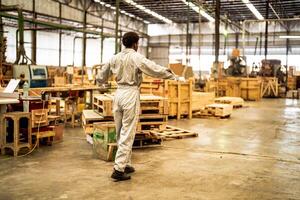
253	9
121	11
148	11
289	36
201	10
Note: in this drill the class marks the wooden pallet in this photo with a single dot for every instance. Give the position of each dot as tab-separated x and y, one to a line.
174	133
102	104
215	110
151	121
146	140
151	104
236	102
89	117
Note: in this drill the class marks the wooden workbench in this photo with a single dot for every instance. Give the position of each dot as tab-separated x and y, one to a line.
58	91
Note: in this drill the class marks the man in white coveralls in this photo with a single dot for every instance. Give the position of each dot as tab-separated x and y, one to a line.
128	67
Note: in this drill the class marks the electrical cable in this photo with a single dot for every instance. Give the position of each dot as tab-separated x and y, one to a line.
38	131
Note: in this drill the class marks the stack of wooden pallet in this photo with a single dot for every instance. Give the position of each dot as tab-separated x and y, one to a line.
179	95
153	114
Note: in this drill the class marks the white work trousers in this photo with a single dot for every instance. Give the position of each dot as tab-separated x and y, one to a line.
126	108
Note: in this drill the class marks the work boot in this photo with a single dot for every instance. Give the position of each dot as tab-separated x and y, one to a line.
129	169
120	176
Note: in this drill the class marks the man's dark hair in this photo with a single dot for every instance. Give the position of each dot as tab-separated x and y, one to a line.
129	39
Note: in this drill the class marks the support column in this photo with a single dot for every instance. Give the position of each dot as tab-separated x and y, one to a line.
33	35
102	41
84	40
187	35
217	30
1	25
266	29
237	40
60	36
117	26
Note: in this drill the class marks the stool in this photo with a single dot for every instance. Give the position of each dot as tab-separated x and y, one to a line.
70	110
17	143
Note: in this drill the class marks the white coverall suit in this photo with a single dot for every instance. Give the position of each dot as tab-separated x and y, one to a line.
128	66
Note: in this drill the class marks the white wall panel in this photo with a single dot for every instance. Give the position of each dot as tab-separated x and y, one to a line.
25	4
47	48
47	7
71	13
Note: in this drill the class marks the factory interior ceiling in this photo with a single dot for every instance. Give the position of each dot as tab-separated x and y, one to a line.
235	10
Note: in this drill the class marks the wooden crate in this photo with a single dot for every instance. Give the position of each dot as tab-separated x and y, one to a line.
104	136
246	88
39	117
201	99
180	98
179	95
269	87
102	104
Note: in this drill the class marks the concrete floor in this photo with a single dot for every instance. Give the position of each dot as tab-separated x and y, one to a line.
253	155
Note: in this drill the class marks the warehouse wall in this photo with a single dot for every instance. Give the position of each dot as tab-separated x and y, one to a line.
176	44
48	41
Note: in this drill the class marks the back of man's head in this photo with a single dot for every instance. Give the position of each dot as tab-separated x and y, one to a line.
129	39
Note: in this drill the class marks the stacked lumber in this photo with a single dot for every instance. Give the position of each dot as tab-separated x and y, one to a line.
201	99
236	102
215	110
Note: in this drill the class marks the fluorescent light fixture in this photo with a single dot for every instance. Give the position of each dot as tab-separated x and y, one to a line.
253	9
121	11
148	11
201	10
289	36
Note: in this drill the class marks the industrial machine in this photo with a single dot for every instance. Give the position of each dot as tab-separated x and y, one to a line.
273	68
237	66
35	75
